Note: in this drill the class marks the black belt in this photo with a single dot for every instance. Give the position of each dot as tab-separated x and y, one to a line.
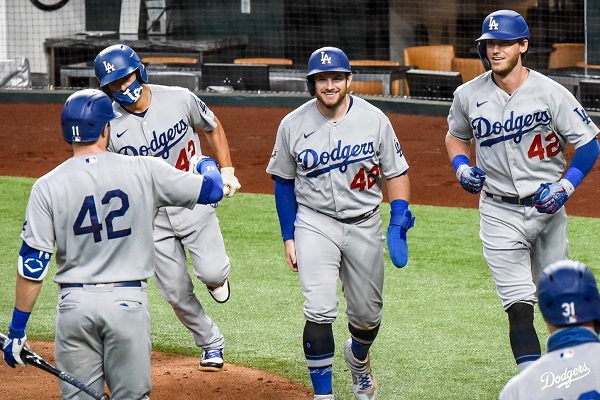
114	284
525	201
358	218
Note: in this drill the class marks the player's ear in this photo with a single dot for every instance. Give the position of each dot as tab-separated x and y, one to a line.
524	45
105	134
348	79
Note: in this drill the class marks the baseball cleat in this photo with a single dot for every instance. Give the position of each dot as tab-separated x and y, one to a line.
323	397
363	382
221	293
212	360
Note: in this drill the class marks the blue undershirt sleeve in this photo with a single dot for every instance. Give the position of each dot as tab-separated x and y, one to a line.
286	205
582	162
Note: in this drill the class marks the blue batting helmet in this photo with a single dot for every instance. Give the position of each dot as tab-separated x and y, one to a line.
568	294
116	62
326	59
501	25
85	114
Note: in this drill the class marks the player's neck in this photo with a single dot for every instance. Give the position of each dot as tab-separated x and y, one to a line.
99	146
80	149
511	82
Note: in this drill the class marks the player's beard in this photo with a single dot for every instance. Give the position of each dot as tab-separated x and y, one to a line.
505	68
333	102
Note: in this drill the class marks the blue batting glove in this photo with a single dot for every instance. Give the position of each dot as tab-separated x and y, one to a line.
12	348
401	221
471	178
551	197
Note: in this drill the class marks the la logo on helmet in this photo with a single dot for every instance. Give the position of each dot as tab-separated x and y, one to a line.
108	67
493	25
325	59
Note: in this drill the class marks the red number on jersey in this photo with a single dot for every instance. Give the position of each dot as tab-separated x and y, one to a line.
183	161
360	180
372	175
537	148
366	179
553	147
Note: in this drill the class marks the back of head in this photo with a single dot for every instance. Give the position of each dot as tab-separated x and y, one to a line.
85	114
116	62
501	25
568	294
326	59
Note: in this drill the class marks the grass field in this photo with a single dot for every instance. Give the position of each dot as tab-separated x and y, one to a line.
443	336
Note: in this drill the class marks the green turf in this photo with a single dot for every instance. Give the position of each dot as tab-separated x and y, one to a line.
443	335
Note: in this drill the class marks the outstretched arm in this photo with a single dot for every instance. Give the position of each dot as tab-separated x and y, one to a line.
220	148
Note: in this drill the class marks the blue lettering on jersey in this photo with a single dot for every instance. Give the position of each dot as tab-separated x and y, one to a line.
513	128
201	105
310	160
584	117
160	144
397	147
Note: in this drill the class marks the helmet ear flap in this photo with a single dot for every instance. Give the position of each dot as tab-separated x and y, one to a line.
141	73
482	51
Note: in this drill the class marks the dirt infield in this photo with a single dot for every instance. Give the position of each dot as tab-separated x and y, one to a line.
32	144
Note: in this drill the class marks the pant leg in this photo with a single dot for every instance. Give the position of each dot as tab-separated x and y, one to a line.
76	339
127	345
551	243
104	334
507	250
175	285
318	256
206	246
362	272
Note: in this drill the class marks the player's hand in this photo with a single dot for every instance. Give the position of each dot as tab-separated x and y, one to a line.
230	182
289	247
400	222
551	197
470	178
17	340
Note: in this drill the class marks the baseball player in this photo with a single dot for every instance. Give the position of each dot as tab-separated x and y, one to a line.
520	123
570	304
98	208
329	159
163	122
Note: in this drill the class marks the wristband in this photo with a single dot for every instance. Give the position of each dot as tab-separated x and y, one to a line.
574	176
459	160
19	320
569	187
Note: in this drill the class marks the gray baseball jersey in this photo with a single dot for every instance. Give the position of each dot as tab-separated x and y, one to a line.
571	373
520	141
166	131
92	203
99	209
338	169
